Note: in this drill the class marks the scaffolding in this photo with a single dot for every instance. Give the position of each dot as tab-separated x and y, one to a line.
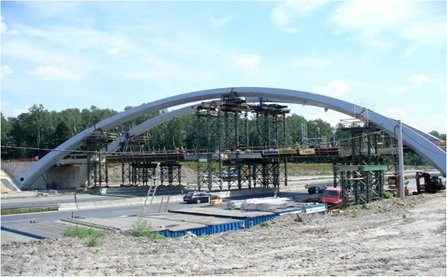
170	172
138	173
223	144
97	169
361	173
361	184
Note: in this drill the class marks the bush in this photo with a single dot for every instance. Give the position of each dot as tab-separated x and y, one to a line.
92	236
142	229
388	195
354	213
264	224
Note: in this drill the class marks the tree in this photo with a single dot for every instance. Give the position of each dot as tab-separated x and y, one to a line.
6	138
438	135
294	123
60	134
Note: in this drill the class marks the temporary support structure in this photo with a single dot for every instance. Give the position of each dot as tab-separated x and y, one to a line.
223	144
360	184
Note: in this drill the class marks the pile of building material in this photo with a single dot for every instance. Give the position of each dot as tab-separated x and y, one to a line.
261	204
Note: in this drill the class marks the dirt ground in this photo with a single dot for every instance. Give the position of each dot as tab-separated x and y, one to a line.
389	237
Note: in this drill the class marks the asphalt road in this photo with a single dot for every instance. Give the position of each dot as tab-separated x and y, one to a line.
52	201
47	224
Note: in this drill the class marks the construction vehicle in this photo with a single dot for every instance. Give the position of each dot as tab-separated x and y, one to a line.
431	184
216	200
393	185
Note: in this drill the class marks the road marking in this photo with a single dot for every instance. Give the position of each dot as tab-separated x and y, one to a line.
18	220
122	211
9	215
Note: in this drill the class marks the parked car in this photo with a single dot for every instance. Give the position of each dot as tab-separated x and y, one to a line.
197	197
214	179
316	189
228	175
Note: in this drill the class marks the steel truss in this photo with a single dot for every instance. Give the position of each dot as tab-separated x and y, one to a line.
138	173
170	172
222	130
361	176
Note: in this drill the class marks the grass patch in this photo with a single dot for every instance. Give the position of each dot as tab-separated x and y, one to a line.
142	229
28	210
354	213
388	195
93	237
264	224
190	165
310	166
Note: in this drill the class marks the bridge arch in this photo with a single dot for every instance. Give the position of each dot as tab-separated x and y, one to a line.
411	137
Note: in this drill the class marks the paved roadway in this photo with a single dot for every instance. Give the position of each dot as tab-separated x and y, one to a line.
48	224
53	201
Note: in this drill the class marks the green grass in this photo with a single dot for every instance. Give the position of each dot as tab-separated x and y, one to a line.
309	166
142	229
354	213
93	237
264	224
27	210
388	195
190	165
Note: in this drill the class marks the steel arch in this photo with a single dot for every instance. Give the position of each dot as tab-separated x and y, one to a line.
411	137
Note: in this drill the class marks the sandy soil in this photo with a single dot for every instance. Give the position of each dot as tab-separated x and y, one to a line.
389	237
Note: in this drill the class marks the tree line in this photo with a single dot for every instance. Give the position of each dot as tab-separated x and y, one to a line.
42	129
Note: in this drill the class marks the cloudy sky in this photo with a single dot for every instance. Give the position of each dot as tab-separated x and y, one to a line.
387	55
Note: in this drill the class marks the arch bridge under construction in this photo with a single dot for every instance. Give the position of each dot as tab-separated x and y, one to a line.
225	156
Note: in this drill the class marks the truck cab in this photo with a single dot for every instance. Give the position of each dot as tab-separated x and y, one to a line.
332	197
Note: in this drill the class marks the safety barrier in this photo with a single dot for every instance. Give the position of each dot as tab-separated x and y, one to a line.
208	230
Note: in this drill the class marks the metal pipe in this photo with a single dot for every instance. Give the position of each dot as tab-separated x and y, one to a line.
400	148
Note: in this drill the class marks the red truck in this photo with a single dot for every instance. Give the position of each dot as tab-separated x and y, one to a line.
332	197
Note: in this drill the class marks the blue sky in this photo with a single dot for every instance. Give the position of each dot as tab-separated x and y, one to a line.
387	55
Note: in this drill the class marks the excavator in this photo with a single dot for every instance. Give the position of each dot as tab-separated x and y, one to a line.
431	184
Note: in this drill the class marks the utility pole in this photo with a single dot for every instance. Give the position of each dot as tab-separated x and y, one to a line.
400	150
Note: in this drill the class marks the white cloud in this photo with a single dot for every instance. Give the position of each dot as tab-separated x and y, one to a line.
410	51
311	62
53	9
17	111
247	61
417	21
431	31
395	113
220	22
9	110
113	51
429	122
418	80
6	70
330	116
29	52
412	82
399	89
286	12
334	88
3	26
55	73
4	29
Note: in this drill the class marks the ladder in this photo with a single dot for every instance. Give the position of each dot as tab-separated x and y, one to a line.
150	193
